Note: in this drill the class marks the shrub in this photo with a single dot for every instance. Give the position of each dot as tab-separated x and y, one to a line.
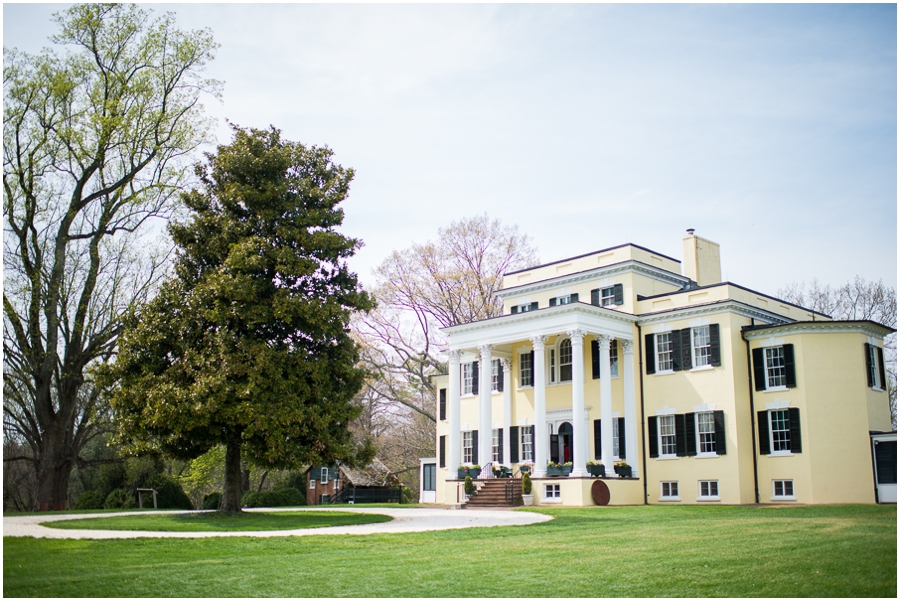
120	498
169	493
211	501
469	486
526	483
91	499
281	496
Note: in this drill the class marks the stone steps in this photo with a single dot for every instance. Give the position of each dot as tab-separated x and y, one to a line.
492	493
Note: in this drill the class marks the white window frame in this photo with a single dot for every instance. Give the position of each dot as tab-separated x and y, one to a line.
552	366
564	299
312	482
467	375
323	475
701	351
526	367
669	490
784	439
336	480
613	359
776	371
468	447
709	418
495	445
874	365
560	346
712	490
784	496
525	308
608	296
495	375
527	444
615	434
552	493
667	356
667	421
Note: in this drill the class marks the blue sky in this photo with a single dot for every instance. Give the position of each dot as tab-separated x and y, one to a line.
771	129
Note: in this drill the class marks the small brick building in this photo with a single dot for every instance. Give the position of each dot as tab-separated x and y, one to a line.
341	484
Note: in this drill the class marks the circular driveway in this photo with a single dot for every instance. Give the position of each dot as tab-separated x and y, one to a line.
405	520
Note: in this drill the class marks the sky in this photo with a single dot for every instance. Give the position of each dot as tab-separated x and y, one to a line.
770	129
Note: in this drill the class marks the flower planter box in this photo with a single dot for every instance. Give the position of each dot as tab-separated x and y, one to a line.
474	473
597	470
554	471
461	473
566	470
624	471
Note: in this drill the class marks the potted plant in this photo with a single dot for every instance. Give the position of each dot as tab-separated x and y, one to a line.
566	468
527	497
462	472
525	467
596	469
469	487
623	469
474	471
554	469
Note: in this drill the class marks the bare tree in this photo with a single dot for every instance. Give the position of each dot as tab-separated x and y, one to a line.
96	143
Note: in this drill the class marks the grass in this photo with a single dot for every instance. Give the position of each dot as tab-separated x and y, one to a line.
218	521
829	551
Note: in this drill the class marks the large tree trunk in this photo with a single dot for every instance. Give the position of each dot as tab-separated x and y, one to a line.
54	465
231	496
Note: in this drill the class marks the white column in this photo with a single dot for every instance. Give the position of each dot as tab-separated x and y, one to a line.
507	409
579	428
454	453
485	439
541	440
606	426
631	457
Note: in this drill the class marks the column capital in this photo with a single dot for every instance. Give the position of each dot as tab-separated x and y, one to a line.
603	340
538	342
627	347
485	350
506	363
576	335
454	356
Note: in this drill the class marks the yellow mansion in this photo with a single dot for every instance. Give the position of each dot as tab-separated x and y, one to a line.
684	388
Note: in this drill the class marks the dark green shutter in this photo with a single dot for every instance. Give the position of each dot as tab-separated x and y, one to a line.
620	294
443	403
552	302
442	452
867	348
595	297
475	446
715	354
687	349
532	369
573	298
881	368
554	448
595	359
499	375
534	306
794	415
719	418
621	437
475	377
514	444
762	421
690	434
649	354
789	375
759	369
598	440
676	350
680	439
514	309
652	438
500	440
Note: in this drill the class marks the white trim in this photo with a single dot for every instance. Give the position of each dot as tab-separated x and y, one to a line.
771	341
699	322
662	328
715	307
822	327
703	407
666	411
778	404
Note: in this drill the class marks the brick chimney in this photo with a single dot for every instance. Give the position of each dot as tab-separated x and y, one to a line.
701	259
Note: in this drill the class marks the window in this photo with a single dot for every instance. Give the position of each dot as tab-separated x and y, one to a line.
442	394
616	449
783	489
614	358
496	375
875	366
565	361
667	444
324	475
528	443
552	365
496	446
468	447
709	490
773	368
706	432
564	300
312	481
701	344
526	370
779	431
470	378
523	308
668	491
551	491
607	296
429	477
336	481
664	355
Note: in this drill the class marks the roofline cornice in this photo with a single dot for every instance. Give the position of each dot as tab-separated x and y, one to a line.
656	273
539	314
868	328
742	309
596	252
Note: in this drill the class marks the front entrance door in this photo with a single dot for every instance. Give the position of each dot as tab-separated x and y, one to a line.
885	454
565	442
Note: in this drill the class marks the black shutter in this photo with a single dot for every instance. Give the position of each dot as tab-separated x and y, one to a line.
573	298
652	438
867	348
686	350
680	442
475	377
762	421
552	302
474	446
620	294
650	354
676	351
598	440
595	297
554	448
499	375
690	434
500	440
715	354
442	452
719	418
621	437
514	309
532	369
881	368
759	369
789	376
514	444
443	403
794	415
534	306
595	359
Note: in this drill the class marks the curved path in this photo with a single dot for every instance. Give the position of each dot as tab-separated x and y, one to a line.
405	520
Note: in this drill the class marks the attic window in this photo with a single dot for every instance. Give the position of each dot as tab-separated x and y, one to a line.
324	477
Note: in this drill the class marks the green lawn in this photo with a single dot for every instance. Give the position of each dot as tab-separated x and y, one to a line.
223	522
839	551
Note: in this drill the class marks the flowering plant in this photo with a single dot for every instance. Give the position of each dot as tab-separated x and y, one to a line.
552	463
621	464
592	463
567	464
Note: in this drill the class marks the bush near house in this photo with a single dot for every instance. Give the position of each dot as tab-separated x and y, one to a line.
120	498
211	501
91	499
280	496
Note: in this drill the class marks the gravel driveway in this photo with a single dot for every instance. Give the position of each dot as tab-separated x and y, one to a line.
405	520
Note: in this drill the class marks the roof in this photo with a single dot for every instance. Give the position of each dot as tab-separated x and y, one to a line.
603	250
374	474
